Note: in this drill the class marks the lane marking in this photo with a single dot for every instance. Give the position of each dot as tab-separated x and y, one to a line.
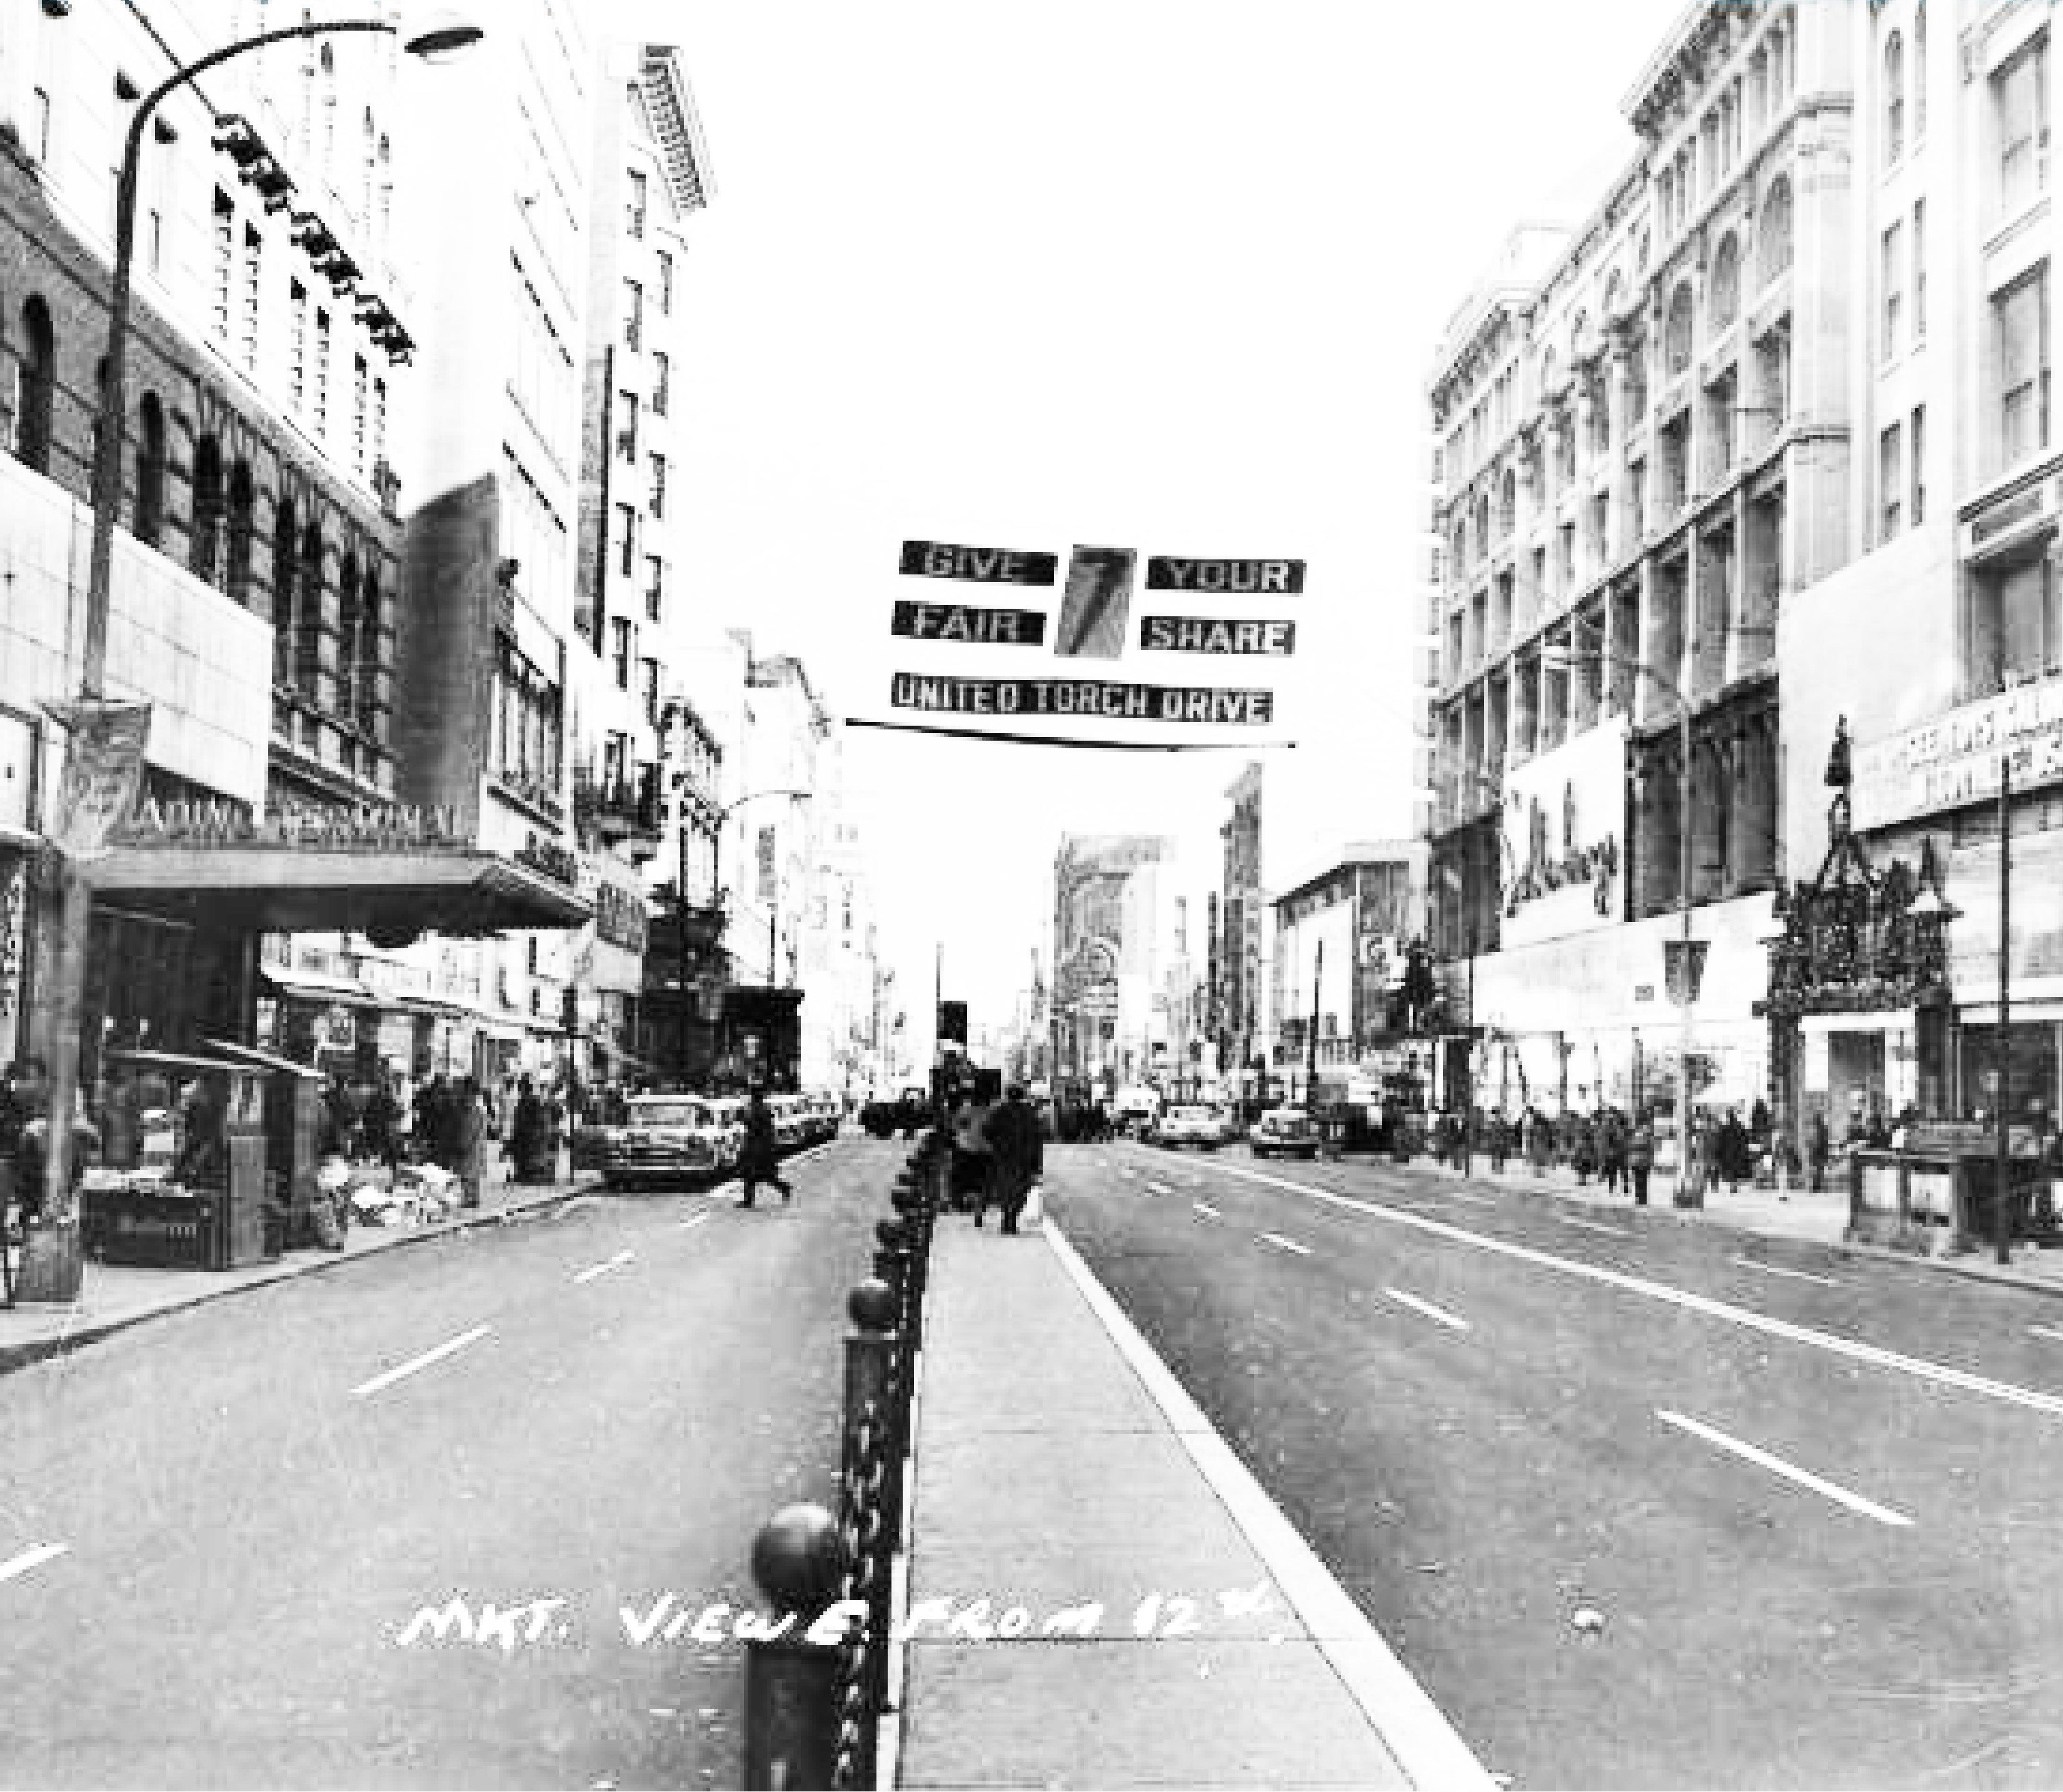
1158	1188
1410	1726
697	1219
450	1347
1594	1226
1206	1209
1778	1269
1440	1314
2047	1331
1789	1471
1282	1243
1918	1366
616	1262
30	1558
1480	1200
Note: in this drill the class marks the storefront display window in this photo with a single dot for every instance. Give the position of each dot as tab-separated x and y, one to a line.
2032	1094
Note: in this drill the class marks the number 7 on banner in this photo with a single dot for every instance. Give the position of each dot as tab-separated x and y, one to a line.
1098	603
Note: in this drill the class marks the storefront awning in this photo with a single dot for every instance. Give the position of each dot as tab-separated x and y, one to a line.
316	987
1860	1020
388	894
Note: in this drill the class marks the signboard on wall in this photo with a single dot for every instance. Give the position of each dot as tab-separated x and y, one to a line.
1953	760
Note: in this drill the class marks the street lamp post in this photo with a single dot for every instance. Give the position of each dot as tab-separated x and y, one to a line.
1689	1194
68	997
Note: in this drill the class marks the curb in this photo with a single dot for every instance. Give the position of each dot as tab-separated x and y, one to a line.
36	1350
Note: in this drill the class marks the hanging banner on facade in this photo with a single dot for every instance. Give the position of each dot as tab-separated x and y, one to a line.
103	774
1953	760
767	884
947	559
1683	968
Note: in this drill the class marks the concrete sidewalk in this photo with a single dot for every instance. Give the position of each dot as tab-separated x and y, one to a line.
115	1296
1100	1594
1819	1218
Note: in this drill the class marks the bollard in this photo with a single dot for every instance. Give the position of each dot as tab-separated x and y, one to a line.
791	1684
870	1379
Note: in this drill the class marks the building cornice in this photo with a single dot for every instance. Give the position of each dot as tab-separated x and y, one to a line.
678	125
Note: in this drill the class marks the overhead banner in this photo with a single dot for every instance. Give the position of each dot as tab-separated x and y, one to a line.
103	774
1094	621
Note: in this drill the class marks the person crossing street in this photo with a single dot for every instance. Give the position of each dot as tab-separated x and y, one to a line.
759	1160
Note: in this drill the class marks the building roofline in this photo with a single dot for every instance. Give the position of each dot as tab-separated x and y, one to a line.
678	123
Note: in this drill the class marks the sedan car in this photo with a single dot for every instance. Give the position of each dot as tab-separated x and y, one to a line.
1191	1123
662	1138
1284	1132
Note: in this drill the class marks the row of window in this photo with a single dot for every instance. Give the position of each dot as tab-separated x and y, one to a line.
1748	106
633	301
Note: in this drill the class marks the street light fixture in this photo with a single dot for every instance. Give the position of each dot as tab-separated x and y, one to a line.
437	39
1689	1194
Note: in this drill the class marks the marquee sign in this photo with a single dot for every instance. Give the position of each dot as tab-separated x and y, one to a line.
365	827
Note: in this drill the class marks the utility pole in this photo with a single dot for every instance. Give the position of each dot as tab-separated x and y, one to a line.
1311	1045
2002	1194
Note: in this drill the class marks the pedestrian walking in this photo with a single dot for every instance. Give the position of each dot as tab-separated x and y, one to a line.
1731	1150
525	1133
758	1160
1818	1147
469	1140
1640	1155
1611	1149
1539	1140
1584	1154
1500	1142
1016	1156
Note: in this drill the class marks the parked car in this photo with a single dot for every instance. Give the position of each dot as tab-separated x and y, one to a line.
662	1138
1284	1132
1193	1123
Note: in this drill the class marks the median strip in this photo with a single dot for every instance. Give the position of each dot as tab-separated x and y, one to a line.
1789	1471
450	1347
1439	1315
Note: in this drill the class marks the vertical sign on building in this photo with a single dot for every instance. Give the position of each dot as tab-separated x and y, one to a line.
767	887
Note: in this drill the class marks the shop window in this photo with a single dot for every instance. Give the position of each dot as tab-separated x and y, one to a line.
2015	631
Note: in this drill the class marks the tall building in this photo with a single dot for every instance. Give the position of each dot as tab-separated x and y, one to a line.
641	753
258	584
1108	900
493	220
1645	430
1239	992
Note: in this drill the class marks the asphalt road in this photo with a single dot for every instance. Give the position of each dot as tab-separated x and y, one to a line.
1812	1501
216	1529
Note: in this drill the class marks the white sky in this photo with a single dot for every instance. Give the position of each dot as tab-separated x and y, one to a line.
1158	275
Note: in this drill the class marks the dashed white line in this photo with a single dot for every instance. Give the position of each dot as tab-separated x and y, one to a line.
1205	1209
2047	1331
1746	1317
1789	1471
1480	1200
1282	1243
30	1558
616	1262
1453	1321
1158	1188
694	1219
449	1348
1594	1226
1778	1269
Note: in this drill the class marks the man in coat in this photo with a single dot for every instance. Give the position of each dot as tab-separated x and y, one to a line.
1016	1156
758	1160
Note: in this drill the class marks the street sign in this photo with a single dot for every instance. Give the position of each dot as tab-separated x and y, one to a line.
103	772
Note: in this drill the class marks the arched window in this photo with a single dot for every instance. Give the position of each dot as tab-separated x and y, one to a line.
1894	98
1726	284
309	610
283	562
204	540
1678	333
36	387
349	620
243	504
1774	238
150	515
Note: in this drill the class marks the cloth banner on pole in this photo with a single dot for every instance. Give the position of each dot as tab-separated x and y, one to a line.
103	772
1684	980
767	876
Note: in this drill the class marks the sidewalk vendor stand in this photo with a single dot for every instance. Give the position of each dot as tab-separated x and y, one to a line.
1938	1195
293	1132
182	1182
